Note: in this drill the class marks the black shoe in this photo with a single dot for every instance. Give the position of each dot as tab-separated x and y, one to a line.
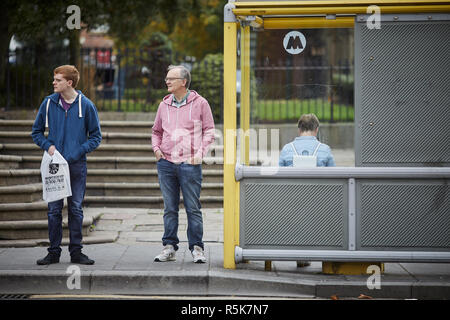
49	259
81	259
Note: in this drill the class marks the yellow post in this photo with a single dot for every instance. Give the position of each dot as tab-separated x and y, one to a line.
229	127
244	113
245	94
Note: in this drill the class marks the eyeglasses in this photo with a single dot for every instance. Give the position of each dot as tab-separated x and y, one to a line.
172	79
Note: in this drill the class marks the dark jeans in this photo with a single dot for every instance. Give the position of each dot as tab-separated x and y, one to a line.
78	173
173	177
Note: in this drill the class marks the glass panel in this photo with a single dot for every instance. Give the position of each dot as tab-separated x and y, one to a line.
317	80
293	72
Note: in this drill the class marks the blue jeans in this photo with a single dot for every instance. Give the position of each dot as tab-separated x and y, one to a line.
187	178
78	173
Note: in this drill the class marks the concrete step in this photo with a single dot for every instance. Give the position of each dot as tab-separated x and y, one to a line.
10	177
29	149
18	211
38	229
33	162
15	137
21	193
127	150
91	238
106	126
33	192
127	126
145	202
107	137
27	176
143	175
143	189
11	162
16	125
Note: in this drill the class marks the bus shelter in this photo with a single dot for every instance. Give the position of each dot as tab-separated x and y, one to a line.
394	203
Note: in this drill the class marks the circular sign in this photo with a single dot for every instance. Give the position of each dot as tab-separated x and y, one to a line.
294	42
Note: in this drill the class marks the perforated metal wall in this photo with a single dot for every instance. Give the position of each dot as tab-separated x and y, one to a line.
402	94
280	213
402	214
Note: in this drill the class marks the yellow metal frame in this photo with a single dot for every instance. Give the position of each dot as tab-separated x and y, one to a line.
230	186
343	3
279	15
308	22
340	10
349	7
245	95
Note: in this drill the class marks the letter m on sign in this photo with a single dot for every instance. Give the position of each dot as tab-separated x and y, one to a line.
294	43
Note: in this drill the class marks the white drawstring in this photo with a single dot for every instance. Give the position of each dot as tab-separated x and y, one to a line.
46	113
80	115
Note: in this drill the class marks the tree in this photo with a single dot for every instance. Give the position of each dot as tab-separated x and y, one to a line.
39	23
195	27
201	31
42	26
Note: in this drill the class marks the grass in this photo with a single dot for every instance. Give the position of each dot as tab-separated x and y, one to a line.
126	105
263	110
286	110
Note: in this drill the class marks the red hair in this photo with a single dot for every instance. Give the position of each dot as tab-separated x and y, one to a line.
69	73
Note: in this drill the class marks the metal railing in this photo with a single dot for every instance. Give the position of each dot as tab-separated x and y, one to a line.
286	91
131	80
344	214
122	79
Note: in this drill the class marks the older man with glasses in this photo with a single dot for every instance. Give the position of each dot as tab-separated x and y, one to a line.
182	133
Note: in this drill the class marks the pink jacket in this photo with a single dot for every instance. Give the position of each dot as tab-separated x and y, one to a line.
184	132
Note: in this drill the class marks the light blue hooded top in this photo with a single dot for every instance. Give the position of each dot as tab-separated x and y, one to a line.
305	145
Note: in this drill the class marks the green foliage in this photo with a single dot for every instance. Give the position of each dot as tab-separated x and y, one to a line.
345	83
291	110
207	80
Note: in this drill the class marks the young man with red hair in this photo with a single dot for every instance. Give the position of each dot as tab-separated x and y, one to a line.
73	130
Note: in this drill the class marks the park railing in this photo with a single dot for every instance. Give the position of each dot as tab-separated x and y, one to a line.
132	80
115	79
286	91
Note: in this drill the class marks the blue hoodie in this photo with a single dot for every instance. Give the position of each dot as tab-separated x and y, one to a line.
74	132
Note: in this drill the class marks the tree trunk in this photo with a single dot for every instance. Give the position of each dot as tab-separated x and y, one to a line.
74	47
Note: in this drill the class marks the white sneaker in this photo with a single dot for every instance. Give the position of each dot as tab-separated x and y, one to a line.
167	254
198	255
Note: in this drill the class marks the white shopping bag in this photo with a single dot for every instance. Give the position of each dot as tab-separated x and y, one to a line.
55	177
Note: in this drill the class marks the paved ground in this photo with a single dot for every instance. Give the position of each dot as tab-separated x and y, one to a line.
126	267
